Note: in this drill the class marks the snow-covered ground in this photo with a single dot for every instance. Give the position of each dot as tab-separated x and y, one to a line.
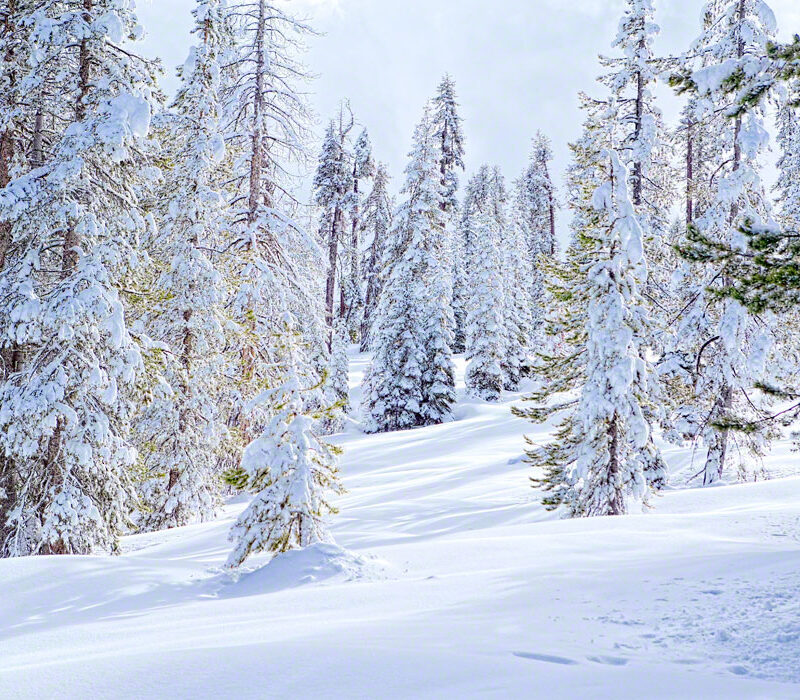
449	580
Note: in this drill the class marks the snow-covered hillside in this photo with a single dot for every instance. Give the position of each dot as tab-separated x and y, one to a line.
449	580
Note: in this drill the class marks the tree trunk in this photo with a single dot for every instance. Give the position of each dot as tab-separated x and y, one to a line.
616	505
689	170
717	453
354	266
637	131
333	253
8	137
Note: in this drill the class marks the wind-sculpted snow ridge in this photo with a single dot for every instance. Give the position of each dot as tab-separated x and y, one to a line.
447	580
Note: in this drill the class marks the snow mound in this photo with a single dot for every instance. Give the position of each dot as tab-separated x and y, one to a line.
316	564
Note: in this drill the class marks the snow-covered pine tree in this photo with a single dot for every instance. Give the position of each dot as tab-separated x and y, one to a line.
268	130
289	469
376	221
603	458
515	311
727	346
560	364
64	413
16	141
410	381
534	218
180	427
645	148
279	388
447	131
485	345
333	191
363	168
339	378
787	188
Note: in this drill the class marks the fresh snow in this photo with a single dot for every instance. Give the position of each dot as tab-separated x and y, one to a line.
448	579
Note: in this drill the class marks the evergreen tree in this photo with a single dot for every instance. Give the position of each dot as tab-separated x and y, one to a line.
447	132
333	191
339	395
363	168
727	347
533	218
485	330
65	411
410	381
376	221
180	427
16	142
603	456
291	472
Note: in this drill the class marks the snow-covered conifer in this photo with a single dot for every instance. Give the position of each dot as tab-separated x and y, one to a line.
533	215
333	192
603	457
289	469
727	347
410	381
180	427
64	413
363	168
447	131
376	220
485	345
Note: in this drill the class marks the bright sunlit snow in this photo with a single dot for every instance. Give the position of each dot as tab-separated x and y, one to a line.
447	579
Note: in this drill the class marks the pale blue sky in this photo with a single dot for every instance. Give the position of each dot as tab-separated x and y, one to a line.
518	64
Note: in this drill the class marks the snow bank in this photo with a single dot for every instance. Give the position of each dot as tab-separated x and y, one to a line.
319	563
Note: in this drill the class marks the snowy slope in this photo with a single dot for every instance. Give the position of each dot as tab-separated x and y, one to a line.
454	583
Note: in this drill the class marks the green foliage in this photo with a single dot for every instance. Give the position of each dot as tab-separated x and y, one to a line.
763	276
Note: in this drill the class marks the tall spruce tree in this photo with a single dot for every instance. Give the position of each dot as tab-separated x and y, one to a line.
534	220
410	381
363	169
269	254
75	221
21	149
376	221
289	469
603	458
726	344
333	192
447	131
180	427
